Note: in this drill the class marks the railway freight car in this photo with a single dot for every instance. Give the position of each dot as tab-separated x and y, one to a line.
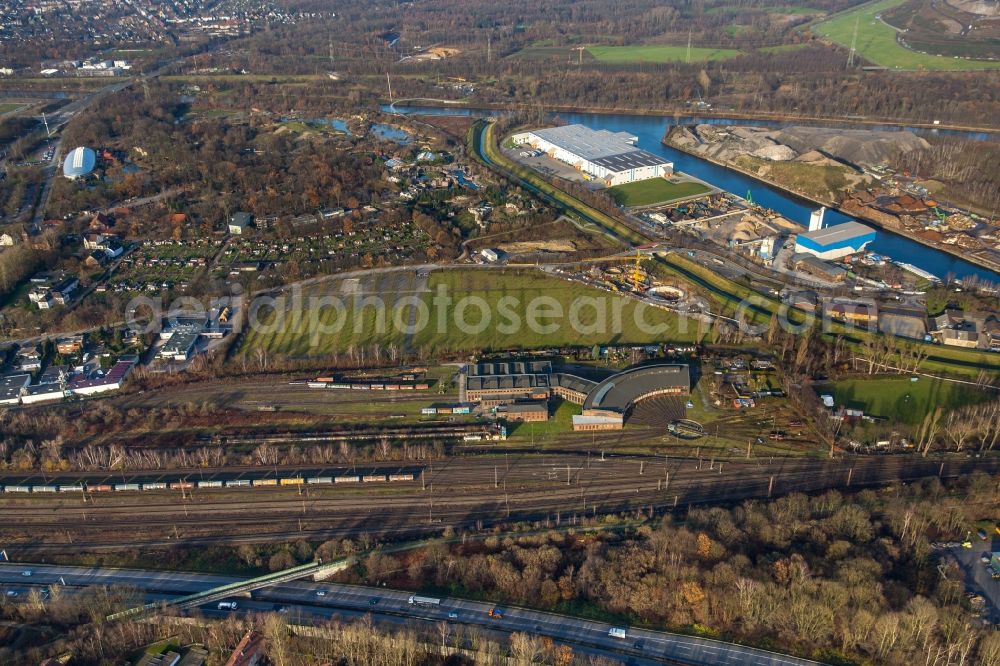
347	479
154	485
401	477
319	480
373	478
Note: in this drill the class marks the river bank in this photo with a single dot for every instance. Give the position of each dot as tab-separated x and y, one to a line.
836	205
673	112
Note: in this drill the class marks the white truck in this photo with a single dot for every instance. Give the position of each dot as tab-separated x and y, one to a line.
228	605
417	600
618	632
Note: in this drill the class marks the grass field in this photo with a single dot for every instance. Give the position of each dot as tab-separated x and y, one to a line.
877	41
901	400
7	107
662	54
507	309
654	190
527	287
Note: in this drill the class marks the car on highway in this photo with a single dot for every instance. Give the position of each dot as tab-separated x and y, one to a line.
453	615
373	601
320	593
26	572
985	559
11	593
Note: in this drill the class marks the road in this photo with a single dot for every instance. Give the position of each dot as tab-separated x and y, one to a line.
327	599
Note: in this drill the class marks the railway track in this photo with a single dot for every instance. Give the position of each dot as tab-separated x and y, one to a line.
462	496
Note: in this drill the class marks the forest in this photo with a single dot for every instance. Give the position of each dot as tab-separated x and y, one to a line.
845	579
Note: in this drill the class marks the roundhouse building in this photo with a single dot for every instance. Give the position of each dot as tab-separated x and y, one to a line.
611	157
79	163
610	402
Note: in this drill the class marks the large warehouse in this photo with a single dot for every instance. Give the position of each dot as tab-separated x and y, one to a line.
835	242
80	162
607	156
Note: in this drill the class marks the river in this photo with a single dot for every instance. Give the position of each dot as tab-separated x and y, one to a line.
651	129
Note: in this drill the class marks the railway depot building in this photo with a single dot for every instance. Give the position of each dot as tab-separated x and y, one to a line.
609	157
510	387
610	402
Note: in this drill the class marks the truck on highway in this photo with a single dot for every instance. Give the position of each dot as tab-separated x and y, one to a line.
496	613
417	600
228	605
618	632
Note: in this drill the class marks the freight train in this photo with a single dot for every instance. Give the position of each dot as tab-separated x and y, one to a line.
184	484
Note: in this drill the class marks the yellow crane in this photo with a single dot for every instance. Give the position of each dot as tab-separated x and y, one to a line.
638	275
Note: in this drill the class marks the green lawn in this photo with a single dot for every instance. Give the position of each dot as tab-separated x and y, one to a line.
654	190
877	41
521	289
560	422
7	107
658	53
901	400
470	310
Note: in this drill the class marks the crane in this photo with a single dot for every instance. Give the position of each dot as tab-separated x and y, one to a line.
638	275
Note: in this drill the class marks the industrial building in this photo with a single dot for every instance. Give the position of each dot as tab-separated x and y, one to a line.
79	163
610	157
835	242
526	411
519	391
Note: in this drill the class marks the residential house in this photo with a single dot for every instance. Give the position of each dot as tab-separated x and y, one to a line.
69	345
250	651
28	360
975	330
858	313
62	293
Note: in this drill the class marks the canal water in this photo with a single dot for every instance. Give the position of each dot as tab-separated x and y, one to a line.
651	129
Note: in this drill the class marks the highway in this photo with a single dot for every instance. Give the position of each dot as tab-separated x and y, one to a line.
326	600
